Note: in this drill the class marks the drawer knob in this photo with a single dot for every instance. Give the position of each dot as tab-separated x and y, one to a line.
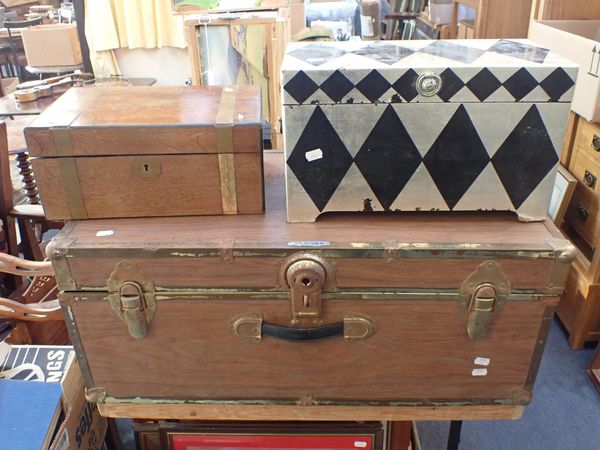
428	84
596	143
589	179
582	212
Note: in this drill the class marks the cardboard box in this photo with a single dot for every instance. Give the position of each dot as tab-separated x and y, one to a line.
83	428
577	40
8	85
52	45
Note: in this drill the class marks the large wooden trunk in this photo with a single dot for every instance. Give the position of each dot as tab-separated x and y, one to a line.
457	125
386	311
149	151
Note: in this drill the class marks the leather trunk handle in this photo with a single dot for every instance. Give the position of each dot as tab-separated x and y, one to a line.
353	327
303	334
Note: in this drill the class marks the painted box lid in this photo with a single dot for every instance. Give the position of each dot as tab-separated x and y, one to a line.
455	71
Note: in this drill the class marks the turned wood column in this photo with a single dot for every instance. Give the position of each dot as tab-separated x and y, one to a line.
29	184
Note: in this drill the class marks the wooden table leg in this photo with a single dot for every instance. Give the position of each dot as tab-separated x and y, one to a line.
454	435
113	438
400	433
29	183
594	368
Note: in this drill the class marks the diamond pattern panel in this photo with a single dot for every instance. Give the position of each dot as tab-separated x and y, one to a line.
388	158
525	158
317	54
557	84
456	158
337	86
483	84
321	177
452	51
373	86
451	84
522	61
520	84
405	85
385	53
301	87
520	50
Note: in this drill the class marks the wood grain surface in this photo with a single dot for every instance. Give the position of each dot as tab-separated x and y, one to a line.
420	352
118	120
187	271
348	230
565	9
329	413
186	185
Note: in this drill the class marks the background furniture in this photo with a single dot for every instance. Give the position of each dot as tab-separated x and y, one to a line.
594	368
33	308
250	50
29	217
579	308
495	19
565	9
16	44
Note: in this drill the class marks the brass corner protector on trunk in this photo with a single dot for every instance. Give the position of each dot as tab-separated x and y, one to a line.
564	253
482	296
57	250
95	395
132	297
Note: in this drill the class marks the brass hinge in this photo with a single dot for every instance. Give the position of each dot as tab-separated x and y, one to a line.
132	297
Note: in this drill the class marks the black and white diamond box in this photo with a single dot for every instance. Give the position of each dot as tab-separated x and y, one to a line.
460	125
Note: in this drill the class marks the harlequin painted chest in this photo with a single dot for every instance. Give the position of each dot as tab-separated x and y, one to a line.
461	125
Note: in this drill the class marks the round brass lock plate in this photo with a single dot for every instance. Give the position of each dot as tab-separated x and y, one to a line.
428	84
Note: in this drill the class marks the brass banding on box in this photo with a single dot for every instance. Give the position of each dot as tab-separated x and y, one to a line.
68	170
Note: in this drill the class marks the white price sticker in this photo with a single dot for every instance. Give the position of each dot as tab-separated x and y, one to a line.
481	361
314	155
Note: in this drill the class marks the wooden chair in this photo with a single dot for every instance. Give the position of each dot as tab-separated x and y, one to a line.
33	307
30	217
35	317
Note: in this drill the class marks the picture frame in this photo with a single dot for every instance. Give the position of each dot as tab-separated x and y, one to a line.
564	187
272	435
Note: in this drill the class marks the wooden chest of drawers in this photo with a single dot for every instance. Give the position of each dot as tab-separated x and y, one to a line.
579	308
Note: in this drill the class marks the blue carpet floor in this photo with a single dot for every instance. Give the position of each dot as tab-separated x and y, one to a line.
564	413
